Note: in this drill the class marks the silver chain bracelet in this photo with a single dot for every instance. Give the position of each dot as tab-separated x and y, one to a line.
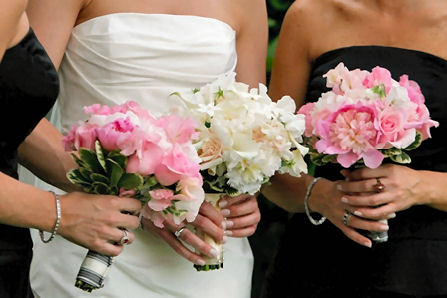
58	220
306	203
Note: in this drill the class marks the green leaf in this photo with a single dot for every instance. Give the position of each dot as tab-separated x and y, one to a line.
402	158
115	171
100	156
392	151
75	177
380	90
85	172
101	188
96	177
150	182
90	159
131	181
416	143
118	158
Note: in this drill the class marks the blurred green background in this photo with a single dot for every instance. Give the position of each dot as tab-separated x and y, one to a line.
265	241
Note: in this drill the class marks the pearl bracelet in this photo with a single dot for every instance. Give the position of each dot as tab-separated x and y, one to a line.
306	203
58	220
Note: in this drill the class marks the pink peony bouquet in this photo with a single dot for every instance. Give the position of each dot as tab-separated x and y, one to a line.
124	150
366	117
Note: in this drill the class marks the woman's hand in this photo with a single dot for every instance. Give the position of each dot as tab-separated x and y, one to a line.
400	191
208	220
96	221
326	199
241	215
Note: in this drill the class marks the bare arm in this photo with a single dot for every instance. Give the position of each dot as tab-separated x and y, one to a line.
13	24
42	151
251	42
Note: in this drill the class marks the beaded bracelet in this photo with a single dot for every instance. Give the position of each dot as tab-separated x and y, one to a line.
58	220
306	203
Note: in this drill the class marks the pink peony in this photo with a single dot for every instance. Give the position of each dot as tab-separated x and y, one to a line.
115	133
350	133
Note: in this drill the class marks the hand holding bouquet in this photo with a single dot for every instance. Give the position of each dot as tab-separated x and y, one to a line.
123	150
244	139
365	118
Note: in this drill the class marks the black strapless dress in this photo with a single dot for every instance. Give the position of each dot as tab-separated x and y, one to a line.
28	88
320	261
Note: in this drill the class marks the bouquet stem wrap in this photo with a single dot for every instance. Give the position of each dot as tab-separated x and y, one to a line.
378	237
216	262
93	271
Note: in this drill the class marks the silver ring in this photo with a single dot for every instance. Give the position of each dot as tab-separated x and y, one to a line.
178	233
346	217
125	239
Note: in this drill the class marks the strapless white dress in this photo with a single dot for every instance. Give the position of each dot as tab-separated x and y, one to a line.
141	57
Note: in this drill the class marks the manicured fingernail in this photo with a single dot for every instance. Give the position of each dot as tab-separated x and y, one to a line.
224	239
358	213
392	215
224	225
367	244
223	203
344	200
384	228
213	252
225	212
228	223
339	187
228	233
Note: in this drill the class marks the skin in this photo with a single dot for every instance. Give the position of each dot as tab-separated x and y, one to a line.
90	221
53	21
417	25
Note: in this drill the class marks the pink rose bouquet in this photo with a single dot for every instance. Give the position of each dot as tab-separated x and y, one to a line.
124	150
365	117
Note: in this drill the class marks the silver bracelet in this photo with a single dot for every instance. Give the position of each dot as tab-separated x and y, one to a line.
306	203
58	220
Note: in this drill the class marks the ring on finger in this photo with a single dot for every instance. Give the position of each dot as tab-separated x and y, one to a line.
379	187
125	239
346	218
178	233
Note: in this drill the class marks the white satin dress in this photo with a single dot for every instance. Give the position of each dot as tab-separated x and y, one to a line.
142	57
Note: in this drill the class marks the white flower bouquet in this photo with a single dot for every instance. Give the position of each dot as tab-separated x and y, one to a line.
245	138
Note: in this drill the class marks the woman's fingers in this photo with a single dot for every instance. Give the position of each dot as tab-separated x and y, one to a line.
173	242
235	223
192	239
242	207
209	227
386	211
354	235
209	211
228	201
370	200
243	232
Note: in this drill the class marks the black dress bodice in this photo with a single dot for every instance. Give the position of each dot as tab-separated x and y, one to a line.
320	261
28	88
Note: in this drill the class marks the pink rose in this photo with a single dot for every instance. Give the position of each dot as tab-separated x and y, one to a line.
160	199
82	136
390	124
157	217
